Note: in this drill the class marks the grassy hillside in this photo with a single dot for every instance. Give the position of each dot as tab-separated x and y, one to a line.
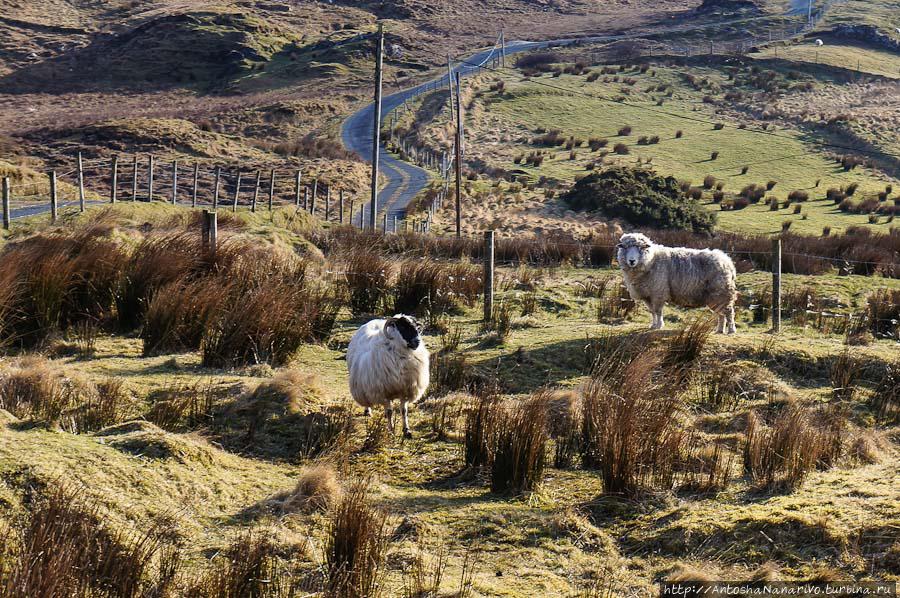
202	475
737	124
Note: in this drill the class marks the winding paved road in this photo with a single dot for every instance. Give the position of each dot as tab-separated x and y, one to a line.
406	180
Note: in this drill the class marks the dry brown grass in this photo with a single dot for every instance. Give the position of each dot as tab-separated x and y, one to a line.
518	445
355	546
318	488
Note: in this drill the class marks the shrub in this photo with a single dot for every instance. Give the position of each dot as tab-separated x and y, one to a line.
798	209
714	156
317	489
753	192
518	447
718	196
625	131
430	288
883	307
482	418
630	430
67	548
368	277
718	126
36	392
249	567
596	143
621	149
771	185
745	169
684	349
785	453
695	193
835	195
709	181
641	198
355	546
798	195
851	188
786	225
643	140
678	134
886	397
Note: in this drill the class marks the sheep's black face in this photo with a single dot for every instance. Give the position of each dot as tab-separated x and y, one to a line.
409	329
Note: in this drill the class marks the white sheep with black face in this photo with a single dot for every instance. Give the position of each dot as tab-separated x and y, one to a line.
657	275
388	360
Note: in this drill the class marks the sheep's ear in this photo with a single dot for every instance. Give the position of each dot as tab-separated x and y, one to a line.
417	324
390	322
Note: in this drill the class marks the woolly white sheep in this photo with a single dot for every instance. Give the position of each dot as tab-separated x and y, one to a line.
388	360
820	42
685	277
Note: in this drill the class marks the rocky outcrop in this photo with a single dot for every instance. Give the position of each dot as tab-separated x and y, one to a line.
867	33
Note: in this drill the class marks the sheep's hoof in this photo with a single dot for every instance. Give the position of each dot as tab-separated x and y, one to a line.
407	434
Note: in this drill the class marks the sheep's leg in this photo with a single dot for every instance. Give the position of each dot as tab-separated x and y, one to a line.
729	316
404	407
720	323
389	416
658	323
652	315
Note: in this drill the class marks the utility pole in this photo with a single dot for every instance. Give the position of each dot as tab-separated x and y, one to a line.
376	125
450	86
458	159
809	13
502	49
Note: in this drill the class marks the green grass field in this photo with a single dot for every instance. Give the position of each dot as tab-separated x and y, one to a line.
840	53
782	153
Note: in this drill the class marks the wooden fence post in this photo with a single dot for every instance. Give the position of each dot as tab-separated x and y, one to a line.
341	206
384	223
210	230
6	194
80	184
150	180
351	213
315	192
196	183
53	196
776	285
237	191
216	187
134	179
488	275
327	203
174	182
297	189
305	199
114	179
271	188
256	191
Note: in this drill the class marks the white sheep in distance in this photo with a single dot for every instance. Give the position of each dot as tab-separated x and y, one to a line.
685	277
388	360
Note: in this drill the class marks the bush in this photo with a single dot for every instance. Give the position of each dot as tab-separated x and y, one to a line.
317	489
771	185
781	456
67	548
430	288
519	446
624	131
718	126
596	143
714	156
678	134
753	193
355	546
482	418
639	197
368	277
745	169
798	195
630	430
709	181
621	149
